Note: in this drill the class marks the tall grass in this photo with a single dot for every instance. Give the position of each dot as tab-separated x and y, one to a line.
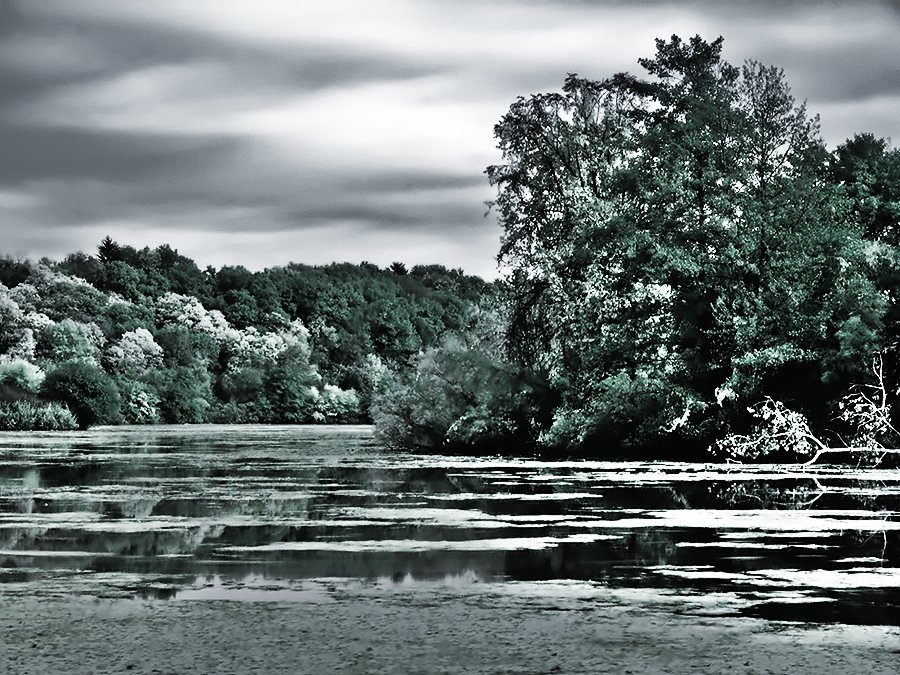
25	415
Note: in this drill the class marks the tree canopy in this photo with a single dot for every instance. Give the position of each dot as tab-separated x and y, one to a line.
145	336
683	245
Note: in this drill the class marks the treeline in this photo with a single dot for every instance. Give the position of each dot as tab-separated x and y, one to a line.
145	336
690	269
687	260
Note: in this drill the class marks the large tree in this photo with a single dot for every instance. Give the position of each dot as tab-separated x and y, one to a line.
677	242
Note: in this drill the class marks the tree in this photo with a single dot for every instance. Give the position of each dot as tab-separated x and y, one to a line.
109	251
14	333
122	278
13	271
184	394
289	397
869	171
86	389
678	250
135	353
22	375
71	340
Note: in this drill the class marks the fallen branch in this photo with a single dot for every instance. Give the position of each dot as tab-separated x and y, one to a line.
863	450
865	409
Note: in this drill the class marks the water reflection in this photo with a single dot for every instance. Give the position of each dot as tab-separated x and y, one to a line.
152	511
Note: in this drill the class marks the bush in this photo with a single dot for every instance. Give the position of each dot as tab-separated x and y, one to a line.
22	375
140	403
459	399
184	394
25	415
89	392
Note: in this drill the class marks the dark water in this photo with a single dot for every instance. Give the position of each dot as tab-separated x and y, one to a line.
192	512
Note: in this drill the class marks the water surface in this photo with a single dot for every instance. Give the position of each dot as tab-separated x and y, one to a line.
256	512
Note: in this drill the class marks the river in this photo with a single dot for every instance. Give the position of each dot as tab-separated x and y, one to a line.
256	512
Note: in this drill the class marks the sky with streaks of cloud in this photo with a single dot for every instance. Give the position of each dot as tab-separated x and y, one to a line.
262	132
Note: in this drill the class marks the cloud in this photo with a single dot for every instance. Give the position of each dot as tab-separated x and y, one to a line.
277	130
35	153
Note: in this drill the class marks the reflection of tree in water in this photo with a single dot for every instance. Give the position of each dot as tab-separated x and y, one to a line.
605	560
808	493
651	547
763	494
815	493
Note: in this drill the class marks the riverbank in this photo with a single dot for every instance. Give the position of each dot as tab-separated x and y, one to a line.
402	629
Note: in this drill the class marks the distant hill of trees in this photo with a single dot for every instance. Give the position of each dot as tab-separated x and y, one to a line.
145	336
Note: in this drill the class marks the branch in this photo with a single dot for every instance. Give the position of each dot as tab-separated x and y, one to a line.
825	451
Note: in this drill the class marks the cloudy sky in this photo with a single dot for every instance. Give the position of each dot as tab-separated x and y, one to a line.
260	132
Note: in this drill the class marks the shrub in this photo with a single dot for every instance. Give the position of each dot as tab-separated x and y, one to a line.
89	392
23	415
184	394
459	399
140	403
21	374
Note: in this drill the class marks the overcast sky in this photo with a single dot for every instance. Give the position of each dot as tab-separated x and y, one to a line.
260	132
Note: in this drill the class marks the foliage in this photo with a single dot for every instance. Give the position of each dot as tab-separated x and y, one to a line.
680	245
289	344
683	238
626	414
25	415
182	346
869	171
779	431
86	389
72	340
289	396
21	374
13	271
459	397
135	353
16	337
335	406
140	402
62	297
866	410
864	414
184	394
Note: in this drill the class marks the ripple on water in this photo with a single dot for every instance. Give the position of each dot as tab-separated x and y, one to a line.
263	512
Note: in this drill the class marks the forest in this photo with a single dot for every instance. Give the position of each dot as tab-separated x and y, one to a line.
144	336
688	267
